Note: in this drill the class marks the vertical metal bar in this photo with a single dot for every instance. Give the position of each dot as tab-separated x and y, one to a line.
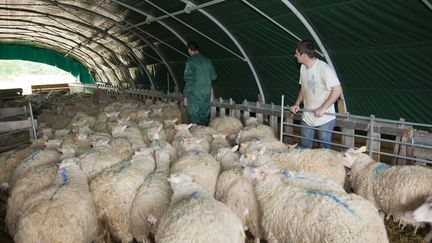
282	118
371	137
32	121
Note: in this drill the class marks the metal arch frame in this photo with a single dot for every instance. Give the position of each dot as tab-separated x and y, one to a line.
43	25
428	4
160	54
149	16
192	28
68	30
95	65
164	59
92	28
315	36
246	57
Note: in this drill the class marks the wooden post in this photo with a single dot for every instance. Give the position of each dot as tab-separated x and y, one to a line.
273	122
348	138
288	128
231	111
222	110
246	114
397	145
258	115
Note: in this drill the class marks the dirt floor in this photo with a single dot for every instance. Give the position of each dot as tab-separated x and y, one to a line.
395	233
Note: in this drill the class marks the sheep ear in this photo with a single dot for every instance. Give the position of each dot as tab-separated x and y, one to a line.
362	149
235	148
190	125
160	128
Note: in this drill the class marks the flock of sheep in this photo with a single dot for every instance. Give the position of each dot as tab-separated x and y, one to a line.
124	170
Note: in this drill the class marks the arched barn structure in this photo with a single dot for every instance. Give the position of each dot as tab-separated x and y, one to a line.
129	57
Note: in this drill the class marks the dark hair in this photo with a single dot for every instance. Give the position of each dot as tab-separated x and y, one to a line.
193	46
306	47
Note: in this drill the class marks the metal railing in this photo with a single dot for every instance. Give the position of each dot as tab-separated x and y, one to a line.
403	142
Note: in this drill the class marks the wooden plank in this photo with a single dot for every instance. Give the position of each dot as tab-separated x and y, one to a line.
274	124
8	126
12	111
348	138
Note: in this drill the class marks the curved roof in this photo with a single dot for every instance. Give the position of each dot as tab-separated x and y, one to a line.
379	49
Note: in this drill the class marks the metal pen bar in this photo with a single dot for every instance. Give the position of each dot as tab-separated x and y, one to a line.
282	118
32	121
317	140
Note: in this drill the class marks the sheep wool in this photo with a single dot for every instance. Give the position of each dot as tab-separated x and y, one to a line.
203	168
195	216
52	214
114	190
35	180
152	199
237	193
290	213
393	189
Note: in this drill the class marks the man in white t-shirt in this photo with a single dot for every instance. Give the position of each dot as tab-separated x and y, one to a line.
320	88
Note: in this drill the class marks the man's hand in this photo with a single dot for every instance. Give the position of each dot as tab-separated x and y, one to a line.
294	109
319	112
185	102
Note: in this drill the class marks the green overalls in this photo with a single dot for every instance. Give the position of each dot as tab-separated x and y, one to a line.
198	76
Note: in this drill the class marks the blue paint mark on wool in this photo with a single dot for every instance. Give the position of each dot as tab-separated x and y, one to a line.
194	194
287	173
379	168
334	198
128	140
64	175
122	167
31	156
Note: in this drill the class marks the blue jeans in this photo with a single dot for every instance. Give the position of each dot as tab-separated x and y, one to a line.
308	133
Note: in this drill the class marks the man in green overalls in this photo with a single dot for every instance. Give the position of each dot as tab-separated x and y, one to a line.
198	76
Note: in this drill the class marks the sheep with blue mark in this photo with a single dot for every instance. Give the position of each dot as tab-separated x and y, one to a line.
395	190
132	132
152	199
62	212
100	158
295	211
203	168
195	216
114	190
237	193
37	179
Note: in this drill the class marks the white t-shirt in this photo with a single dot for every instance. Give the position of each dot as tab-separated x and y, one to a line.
316	83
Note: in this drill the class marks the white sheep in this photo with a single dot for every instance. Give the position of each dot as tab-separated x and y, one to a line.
255	131
63	212
9	161
182	133
423	214
36	179
219	141
196	144
201	166
393	189
152	199
195	216
203	132
236	192
297	213
228	157
114	190
36	159
227	125
170	130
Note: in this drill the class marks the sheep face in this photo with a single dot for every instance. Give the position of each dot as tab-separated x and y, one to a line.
424	212
351	156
